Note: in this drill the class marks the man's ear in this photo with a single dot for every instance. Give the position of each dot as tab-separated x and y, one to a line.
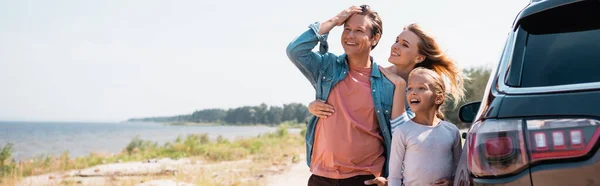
375	39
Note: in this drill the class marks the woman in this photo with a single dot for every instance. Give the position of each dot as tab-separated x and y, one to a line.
413	48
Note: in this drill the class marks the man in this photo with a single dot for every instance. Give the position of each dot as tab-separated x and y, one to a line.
350	146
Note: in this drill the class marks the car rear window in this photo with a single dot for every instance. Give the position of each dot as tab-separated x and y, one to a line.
562	46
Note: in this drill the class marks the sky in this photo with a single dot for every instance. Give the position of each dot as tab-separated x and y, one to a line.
110	60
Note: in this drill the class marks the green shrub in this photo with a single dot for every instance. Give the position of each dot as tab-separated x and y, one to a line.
6	153
281	132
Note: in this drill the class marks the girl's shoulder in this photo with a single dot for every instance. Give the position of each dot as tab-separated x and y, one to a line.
408	128
449	126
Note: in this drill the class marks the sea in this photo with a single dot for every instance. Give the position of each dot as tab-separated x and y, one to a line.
35	139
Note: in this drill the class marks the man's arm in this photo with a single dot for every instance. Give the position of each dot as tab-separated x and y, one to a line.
299	51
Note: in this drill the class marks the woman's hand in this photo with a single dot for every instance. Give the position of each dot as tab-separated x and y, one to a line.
442	182
320	109
393	77
379	181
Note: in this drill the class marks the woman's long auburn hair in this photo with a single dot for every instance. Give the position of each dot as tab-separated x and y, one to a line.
436	60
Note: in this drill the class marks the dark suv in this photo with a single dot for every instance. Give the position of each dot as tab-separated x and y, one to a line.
539	120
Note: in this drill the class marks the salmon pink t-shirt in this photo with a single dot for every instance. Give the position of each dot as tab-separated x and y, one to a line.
348	142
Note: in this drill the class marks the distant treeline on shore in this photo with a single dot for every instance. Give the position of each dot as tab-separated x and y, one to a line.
262	114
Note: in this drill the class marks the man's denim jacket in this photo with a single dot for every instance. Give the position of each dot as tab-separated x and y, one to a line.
324	70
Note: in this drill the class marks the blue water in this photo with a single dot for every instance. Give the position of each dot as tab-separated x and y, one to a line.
31	139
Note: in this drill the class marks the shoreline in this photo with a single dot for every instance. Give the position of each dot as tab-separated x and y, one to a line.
271	148
190	124
83	140
288	125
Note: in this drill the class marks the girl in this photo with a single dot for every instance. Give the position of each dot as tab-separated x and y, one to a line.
425	149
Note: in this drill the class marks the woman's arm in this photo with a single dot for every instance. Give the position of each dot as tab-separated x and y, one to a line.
399	102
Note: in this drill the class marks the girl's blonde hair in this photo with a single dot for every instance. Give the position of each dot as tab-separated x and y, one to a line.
436	60
438	85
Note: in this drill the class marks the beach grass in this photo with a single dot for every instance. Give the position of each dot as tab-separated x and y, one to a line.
268	149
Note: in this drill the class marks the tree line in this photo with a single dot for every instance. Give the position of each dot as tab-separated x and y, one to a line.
298	113
474	90
262	114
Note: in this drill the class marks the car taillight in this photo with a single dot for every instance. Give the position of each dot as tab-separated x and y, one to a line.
561	138
503	147
495	147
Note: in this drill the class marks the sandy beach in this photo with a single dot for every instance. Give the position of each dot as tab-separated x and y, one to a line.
182	172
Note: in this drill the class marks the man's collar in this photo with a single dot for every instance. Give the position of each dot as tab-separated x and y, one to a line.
374	67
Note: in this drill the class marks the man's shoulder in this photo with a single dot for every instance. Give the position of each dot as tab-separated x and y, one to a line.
331	59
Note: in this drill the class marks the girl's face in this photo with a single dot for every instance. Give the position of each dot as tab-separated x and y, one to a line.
405	51
421	93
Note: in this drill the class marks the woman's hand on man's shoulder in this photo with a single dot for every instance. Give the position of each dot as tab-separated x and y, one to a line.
393	77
